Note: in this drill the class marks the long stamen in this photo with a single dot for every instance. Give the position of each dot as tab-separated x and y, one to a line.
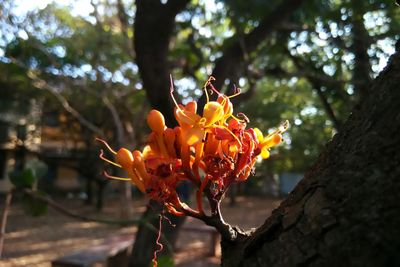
237	91
171	91
233	135
106	145
115	177
245	119
284	126
135	172
205	89
107	160
167	219
212	86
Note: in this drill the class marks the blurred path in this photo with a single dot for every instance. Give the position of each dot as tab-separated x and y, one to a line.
35	241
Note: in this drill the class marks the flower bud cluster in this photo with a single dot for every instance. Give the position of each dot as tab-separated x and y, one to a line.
211	149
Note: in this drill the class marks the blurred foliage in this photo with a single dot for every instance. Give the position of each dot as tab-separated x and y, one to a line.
89	60
34	206
23	178
165	261
27	179
309	128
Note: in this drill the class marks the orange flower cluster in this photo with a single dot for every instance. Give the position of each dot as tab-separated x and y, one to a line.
211	150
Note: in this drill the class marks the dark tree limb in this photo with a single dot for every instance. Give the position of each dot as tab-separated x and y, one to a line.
318	85
327	106
124	21
230	64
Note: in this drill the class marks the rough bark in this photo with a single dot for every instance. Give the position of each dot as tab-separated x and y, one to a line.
345	212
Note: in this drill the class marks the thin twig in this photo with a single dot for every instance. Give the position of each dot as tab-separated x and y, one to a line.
4	216
69	213
42	84
66	105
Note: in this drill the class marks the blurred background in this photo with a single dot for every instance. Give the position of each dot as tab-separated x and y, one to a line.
69	72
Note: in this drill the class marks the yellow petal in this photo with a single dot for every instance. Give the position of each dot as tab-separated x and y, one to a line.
259	135
193	136
265	153
185	117
213	112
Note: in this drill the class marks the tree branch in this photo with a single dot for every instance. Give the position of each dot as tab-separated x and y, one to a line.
4	216
42	84
123	19
58	207
229	65
317	85
117	120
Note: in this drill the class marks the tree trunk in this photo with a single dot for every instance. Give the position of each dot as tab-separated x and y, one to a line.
345	212
154	25
145	244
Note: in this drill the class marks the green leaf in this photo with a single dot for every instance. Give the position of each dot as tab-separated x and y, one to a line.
24	178
33	206
165	261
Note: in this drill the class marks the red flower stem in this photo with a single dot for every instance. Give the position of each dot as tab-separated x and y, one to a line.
184	208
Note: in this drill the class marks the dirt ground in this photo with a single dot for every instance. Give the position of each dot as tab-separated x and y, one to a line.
36	241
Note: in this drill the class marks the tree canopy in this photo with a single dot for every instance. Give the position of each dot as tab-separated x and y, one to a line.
310	67
308	62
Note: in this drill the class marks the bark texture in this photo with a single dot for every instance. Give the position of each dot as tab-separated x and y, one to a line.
346	210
